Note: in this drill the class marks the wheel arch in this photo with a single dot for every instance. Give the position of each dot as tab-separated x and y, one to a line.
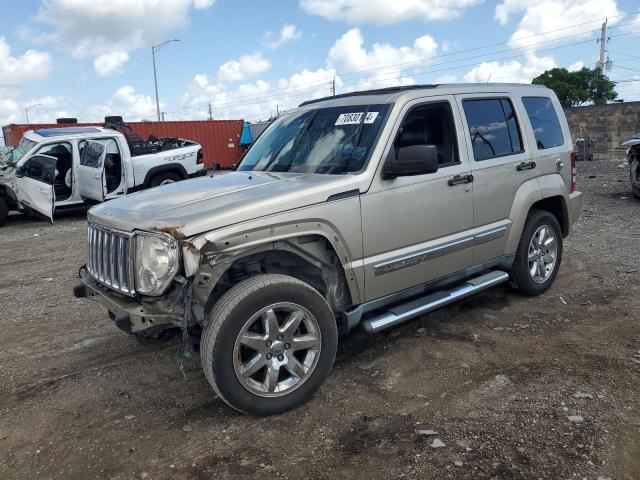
169	167
311	257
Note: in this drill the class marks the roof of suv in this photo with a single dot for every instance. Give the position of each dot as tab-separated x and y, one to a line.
391	94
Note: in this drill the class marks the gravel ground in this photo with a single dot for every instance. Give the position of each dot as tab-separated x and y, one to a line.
496	376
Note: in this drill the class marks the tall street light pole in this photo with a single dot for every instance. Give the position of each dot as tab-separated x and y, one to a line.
26	110
154	49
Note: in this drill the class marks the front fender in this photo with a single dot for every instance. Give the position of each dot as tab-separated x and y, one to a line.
338	222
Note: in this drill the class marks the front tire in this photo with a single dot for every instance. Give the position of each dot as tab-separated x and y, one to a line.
539	254
269	344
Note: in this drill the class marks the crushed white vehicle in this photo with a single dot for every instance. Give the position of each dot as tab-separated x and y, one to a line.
54	168
633	157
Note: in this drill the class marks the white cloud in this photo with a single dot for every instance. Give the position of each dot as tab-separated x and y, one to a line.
629	91
109	63
448	78
555	16
386	12
129	104
258	100
385	64
575	66
348	52
32	65
202	4
94	28
512	71
243	67
288	33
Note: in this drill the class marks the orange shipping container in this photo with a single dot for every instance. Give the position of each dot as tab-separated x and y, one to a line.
219	138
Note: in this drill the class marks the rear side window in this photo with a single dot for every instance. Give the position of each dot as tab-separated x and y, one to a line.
544	120
91	155
493	127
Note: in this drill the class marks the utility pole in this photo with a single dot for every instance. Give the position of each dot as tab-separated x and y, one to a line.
154	49
210	112
333	86
603	42
163	114
26	110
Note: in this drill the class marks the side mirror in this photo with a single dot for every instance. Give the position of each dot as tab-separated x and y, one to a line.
412	160
20	171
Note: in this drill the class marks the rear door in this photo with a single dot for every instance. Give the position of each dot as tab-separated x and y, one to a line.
35	184
91	178
501	163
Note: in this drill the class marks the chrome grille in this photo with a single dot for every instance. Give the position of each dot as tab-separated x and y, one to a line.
110	258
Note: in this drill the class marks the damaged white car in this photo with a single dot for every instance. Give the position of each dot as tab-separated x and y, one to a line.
54	168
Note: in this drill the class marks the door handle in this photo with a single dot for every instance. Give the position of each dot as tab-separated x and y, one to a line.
458	179
43	190
526	166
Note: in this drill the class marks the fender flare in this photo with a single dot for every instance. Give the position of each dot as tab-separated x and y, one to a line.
169	167
527	194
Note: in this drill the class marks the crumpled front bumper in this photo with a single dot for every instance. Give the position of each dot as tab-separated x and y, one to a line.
129	314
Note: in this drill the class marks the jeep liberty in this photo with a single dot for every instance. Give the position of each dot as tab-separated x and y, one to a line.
359	210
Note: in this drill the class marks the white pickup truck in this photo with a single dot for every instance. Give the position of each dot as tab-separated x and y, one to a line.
61	167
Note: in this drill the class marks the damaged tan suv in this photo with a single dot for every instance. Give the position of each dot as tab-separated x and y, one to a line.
358	210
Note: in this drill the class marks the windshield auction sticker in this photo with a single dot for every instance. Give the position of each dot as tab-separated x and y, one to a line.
355	118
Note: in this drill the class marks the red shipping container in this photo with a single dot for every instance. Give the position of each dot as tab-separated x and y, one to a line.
219	138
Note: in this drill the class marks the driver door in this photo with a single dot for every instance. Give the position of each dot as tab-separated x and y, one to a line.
91	178
35	184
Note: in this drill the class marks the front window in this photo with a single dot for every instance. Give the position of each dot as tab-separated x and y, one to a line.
21	150
336	140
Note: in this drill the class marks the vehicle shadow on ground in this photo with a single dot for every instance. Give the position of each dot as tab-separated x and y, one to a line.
22	219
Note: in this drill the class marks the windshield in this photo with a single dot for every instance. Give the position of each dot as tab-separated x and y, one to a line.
21	150
335	140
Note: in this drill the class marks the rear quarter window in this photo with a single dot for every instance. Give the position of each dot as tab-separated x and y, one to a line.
544	121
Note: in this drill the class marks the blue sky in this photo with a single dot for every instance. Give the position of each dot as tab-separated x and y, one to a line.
90	58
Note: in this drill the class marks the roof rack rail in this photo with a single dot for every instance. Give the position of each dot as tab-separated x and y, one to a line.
375	91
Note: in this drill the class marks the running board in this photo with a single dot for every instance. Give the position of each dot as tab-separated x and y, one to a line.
401	313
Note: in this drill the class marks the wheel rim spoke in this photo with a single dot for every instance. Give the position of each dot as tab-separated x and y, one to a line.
253	365
533	269
253	340
292	322
271	379
295	367
305	342
271	326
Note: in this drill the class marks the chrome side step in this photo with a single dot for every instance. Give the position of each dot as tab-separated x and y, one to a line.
401	313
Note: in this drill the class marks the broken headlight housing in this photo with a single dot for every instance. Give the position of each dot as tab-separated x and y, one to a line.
157	262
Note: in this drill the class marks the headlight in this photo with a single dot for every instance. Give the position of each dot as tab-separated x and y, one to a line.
156	263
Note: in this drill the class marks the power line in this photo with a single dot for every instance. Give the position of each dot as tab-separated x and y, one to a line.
295	91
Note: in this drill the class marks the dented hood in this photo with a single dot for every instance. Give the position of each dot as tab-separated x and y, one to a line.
199	205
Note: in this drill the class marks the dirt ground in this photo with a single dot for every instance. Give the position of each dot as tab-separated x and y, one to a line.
496	376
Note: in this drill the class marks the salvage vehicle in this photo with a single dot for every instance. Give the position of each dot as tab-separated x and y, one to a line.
359	210
55	168
633	157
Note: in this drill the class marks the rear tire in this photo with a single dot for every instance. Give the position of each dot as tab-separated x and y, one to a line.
537	259
4	210
164	178
269	344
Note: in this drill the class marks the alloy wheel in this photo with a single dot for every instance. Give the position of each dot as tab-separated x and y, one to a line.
277	350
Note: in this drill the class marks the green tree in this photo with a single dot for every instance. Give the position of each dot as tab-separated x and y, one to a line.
578	88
